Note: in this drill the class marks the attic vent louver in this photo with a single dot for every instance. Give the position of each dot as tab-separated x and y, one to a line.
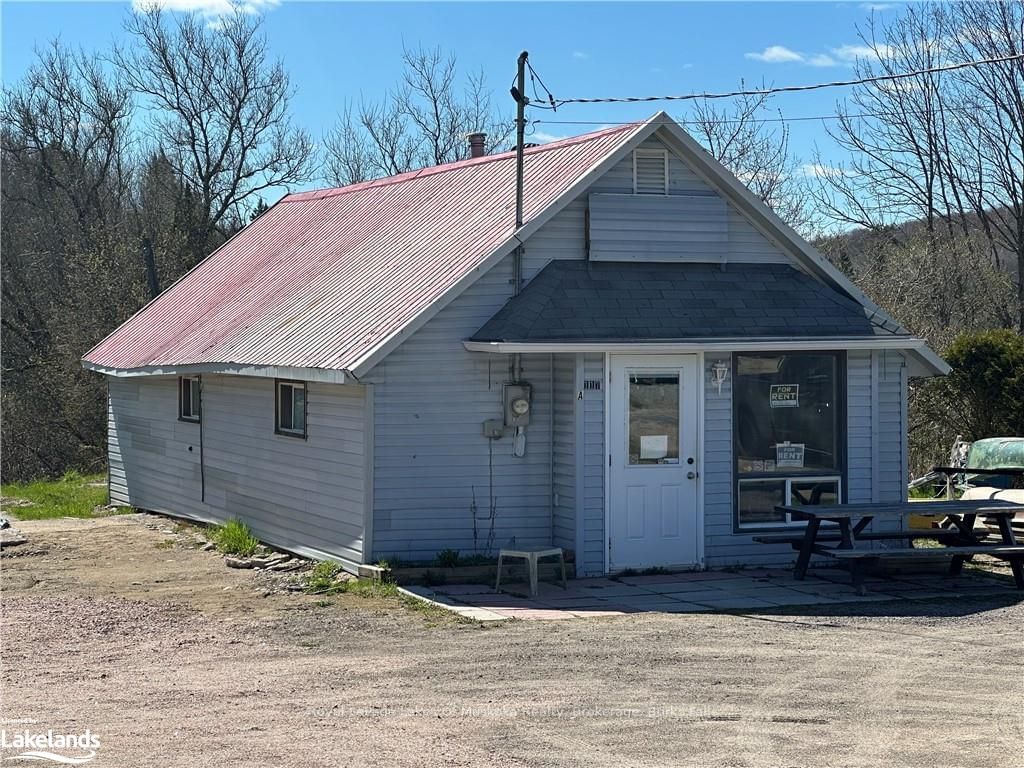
650	172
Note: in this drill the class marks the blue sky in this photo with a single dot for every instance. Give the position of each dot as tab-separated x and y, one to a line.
336	51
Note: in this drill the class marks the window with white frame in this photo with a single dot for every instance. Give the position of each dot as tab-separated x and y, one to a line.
788	433
189	398
650	172
290	409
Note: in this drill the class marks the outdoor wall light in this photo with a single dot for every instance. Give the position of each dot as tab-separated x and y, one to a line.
719	373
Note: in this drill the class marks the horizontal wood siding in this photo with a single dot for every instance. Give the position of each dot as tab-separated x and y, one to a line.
306	496
432	462
595	540
564	447
658	228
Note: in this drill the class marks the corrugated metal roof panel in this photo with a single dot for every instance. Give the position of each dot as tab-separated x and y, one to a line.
324	278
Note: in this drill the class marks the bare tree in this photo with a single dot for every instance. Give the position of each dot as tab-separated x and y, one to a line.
942	148
66	275
741	137
895	132
219	107
989	167
421	122
70	122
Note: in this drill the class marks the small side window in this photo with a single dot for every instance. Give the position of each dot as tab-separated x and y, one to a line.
290	409
189	398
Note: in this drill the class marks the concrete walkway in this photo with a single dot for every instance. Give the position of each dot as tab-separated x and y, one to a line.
747	590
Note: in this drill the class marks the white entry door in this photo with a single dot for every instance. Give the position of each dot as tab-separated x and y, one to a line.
652	514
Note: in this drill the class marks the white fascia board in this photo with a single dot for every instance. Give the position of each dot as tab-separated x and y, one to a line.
364	364
321	375
930	363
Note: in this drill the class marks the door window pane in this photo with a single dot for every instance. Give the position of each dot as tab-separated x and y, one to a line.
654	419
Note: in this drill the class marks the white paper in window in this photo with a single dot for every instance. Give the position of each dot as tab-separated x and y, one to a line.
653	446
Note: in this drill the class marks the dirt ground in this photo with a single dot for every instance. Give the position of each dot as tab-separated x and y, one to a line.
172	659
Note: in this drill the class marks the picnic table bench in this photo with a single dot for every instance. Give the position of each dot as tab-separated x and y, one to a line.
960	541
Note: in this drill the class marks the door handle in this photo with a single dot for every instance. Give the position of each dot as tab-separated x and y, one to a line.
691	475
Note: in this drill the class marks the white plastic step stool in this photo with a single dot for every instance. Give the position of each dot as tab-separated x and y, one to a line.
531	556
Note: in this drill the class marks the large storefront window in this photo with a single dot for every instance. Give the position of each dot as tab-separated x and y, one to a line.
788	419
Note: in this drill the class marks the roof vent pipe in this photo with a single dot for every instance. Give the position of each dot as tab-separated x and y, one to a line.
477	144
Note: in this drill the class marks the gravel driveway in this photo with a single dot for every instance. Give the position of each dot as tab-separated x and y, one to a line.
171	659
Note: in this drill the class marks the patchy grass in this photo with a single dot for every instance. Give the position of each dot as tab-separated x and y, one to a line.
73	495
321	579
234	538
321	583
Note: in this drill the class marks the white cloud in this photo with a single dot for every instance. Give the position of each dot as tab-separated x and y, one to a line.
879	7
775	54
850	53
543	137
817	171
820	60
844	55
580	55
207	8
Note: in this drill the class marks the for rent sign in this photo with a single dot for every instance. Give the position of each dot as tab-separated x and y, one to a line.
784	396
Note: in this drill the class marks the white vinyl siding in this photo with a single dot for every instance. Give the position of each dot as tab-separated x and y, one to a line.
436	477
307	496
595	539
564	451
565	235
670	228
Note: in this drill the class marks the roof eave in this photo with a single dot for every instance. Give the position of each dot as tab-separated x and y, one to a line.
924	362
321	375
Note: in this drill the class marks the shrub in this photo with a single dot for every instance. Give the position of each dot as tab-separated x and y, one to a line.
235	538
448	558
986	387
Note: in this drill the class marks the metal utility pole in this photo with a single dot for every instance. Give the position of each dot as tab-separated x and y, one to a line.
521	101
519	94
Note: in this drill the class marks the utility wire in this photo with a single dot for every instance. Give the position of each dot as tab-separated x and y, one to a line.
795	88
738	121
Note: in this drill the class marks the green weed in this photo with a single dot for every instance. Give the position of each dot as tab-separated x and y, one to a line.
234	538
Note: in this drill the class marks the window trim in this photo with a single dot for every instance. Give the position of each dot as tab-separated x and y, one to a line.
842	439
278	429
663	153
194	417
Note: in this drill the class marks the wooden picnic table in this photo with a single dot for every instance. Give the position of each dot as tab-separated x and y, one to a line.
846	541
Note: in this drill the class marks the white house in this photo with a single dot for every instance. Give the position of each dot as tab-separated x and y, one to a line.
356	377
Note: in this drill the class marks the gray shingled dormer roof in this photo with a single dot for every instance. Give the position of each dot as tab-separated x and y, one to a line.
608	301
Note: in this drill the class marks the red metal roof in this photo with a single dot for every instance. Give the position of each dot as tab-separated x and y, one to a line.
324	278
